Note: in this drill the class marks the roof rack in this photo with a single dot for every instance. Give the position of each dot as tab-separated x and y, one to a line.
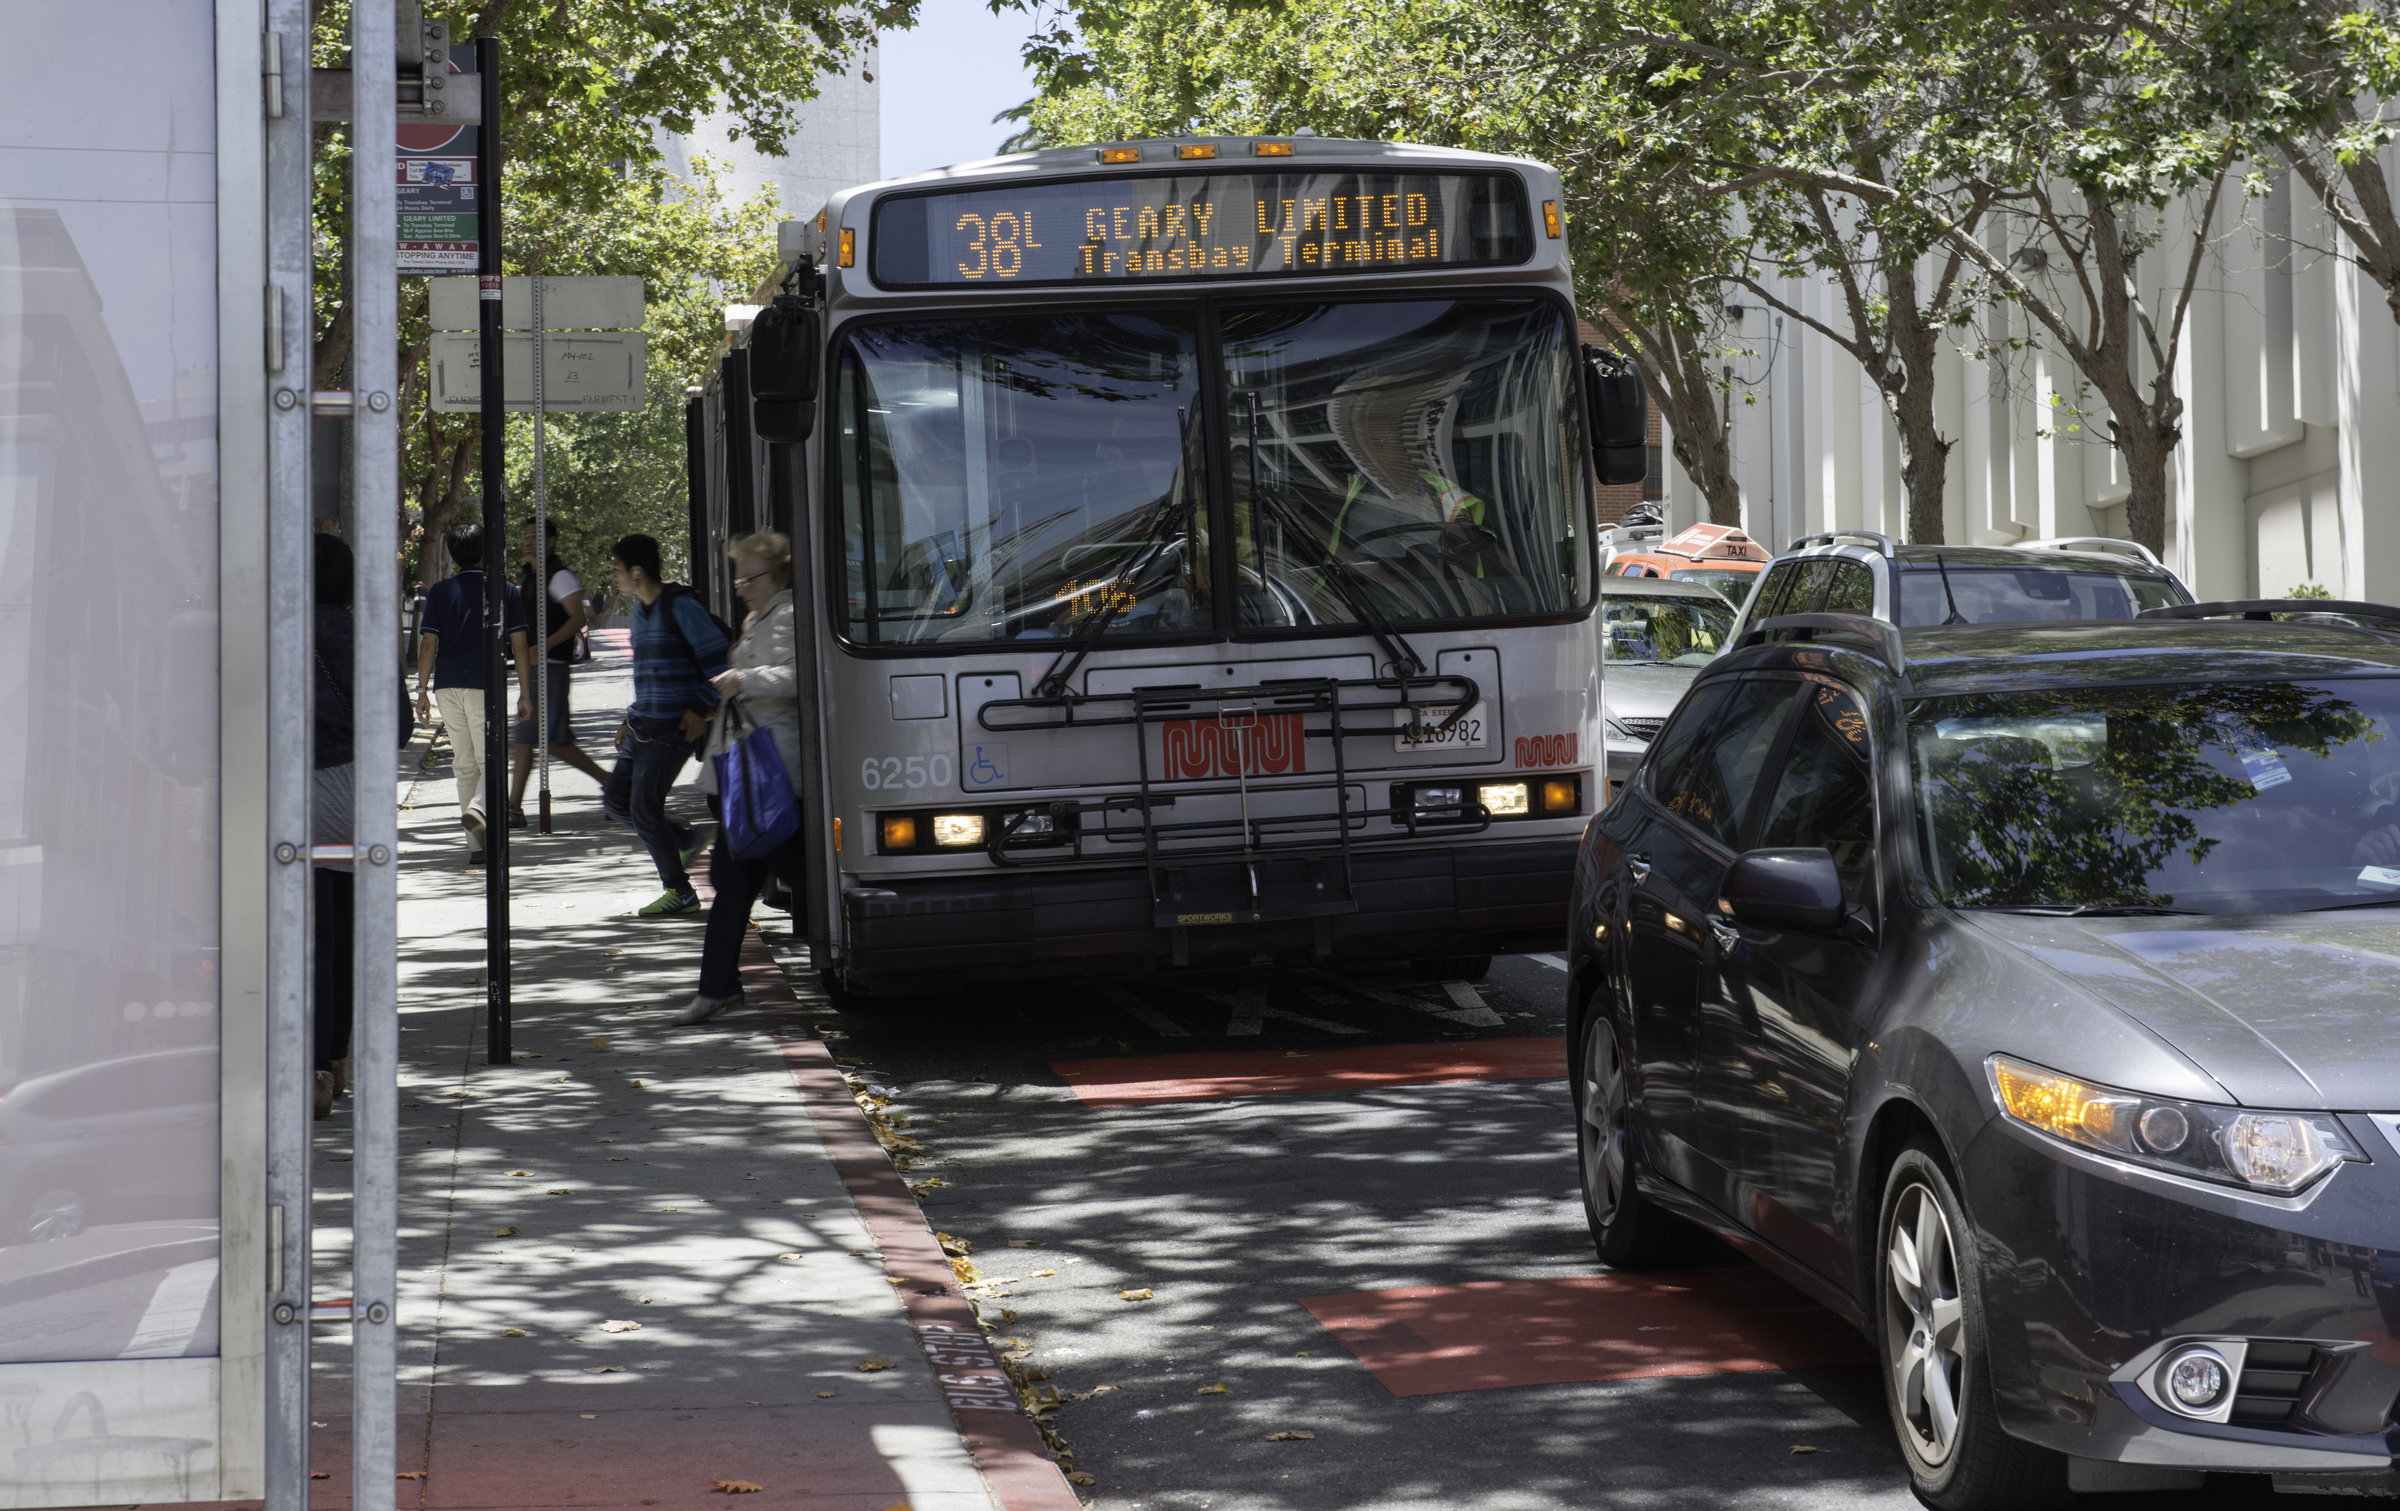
1885	543
2104	542
1882	634
2268	608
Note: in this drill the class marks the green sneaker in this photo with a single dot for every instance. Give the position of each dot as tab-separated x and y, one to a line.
667	903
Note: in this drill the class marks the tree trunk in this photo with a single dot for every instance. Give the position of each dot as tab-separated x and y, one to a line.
1675	370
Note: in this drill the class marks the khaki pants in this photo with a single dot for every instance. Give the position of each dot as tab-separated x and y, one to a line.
461	709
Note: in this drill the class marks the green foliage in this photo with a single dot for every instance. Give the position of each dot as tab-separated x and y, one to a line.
2310	590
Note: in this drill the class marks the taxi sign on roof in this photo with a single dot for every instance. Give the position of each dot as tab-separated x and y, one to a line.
1713	543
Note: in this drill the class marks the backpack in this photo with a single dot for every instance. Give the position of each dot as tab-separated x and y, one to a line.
675	590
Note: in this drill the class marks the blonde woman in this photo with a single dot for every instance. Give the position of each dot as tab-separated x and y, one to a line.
763	676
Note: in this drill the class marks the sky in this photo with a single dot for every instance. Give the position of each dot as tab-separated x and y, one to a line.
943	80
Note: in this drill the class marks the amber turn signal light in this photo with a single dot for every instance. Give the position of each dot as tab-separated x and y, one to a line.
1558	797
1190	151
1120	154
1270	149
899	832
849	247
1550	217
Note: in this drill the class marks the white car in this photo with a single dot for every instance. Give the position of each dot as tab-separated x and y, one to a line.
1655	635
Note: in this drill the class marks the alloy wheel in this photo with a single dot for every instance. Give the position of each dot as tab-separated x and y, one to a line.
1601	1122
1924	1324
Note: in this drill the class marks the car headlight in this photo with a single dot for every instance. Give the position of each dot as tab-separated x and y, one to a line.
1620	731
2280	1152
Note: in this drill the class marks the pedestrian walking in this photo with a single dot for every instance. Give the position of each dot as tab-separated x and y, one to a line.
760	685
450	655
678	645
565	592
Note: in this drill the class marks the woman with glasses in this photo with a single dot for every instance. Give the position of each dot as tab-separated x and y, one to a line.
761	690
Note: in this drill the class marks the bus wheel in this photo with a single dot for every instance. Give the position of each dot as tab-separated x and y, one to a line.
1452	968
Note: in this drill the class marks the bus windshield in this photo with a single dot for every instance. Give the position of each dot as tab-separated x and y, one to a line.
1010	478
1002	479
1409	460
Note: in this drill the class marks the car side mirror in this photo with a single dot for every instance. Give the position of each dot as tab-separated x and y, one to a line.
784	352
1788	891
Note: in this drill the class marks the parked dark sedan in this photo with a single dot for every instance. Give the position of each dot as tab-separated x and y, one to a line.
2030	995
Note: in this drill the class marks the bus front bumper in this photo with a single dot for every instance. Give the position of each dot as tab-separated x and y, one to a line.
910	935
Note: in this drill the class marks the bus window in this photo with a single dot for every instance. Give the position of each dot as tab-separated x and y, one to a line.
1003	479
1413	460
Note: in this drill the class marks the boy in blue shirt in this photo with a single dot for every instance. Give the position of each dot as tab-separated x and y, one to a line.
677	648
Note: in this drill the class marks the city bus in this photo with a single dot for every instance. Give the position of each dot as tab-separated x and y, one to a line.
1194	555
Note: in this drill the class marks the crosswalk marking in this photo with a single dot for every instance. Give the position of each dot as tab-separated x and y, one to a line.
1149	1016
1551	961
1469	1009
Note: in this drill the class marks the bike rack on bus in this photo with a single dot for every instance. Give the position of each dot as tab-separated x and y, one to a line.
1268	868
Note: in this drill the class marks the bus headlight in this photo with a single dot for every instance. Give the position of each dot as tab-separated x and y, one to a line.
1505	799
958	828
1438	800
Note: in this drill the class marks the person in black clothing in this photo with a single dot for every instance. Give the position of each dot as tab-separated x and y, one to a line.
567	617
333	800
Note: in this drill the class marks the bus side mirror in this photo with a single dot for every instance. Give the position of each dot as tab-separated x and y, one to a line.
1617	413
782	421
785	350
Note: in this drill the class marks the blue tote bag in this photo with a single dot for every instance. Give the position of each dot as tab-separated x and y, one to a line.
754	792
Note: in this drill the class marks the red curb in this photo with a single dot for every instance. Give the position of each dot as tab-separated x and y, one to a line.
1005	1444
1222	1075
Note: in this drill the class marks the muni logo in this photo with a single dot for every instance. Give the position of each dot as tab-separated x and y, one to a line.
1546	750
1264	745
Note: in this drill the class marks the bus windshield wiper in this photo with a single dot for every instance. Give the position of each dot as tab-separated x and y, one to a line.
1396	648
1173	508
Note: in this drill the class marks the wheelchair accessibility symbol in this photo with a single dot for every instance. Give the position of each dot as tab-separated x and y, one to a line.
987	765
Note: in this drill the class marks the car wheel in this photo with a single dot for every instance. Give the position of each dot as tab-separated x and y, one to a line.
1936	1382
55	1212
1452	968
1630	1231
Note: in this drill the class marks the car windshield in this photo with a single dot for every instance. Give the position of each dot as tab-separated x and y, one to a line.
1409	460
1734	585
2215	798
1955	594
1668	631
1000	478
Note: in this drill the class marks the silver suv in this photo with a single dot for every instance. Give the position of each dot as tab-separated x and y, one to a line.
1861	572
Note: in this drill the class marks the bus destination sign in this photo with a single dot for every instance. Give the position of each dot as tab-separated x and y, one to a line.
1217	225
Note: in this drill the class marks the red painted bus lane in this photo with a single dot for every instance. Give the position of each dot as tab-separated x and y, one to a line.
1223	1076
1488	1335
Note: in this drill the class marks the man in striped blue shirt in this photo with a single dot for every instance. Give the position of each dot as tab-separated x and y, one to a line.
677	648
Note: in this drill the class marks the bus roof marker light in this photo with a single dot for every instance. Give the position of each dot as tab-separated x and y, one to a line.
1192	151
1550	217
1120	154
1270	149
849	247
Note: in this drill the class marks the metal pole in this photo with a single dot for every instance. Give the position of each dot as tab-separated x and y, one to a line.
497	1036
541	562
375	881
290	682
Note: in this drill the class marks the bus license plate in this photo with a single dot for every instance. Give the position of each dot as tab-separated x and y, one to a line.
1466	734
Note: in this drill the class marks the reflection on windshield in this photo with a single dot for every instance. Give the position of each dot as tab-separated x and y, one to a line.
1409	461
2239	797
1675	631
1735	586
2012	595
1001	479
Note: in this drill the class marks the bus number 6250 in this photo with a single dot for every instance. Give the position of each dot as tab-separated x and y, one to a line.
892	773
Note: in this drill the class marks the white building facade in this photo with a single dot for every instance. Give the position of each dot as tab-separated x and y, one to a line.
837	143
2289	370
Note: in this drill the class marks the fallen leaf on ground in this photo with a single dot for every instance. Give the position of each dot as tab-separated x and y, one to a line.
791	1258
873	1362
1805	1448
504	1232
1141	1295
1305	1354
1020	1243
589	1416
1081	1478
520	1172
514	1332
1006	1315
411	1474
923	1186
734	1487
637	1085
950	1245
1295	1435
620	1327
602	1041
827	1395
560	1191
604	1369
838	1060
1038	1274
1210	1390
1085	1395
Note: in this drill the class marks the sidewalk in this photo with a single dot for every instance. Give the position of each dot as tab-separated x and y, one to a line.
630	1266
